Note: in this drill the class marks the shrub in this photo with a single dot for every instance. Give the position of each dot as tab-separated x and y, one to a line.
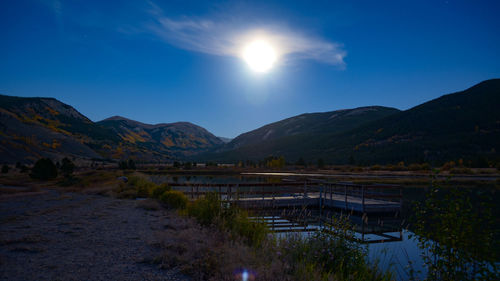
67	167
236	220
206	209
357	169
5	169
135	187
157	191
328	257
142	186
131	164
174	199
419	167
456	235
211	211
425	166
462	170
44	169
143	191
21	167
448	166
124	165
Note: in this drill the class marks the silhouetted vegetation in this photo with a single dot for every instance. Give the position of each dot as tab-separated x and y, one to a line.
275	162
127	165
157	191
329	256
174	199
300	162
67	167
22	168
5	169
44	169
457	236
209	210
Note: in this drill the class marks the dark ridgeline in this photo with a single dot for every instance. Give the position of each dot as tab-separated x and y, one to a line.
460	125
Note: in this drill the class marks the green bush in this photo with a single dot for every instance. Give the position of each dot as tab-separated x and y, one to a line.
325	256
136	186
457	235
174	199
157	191
44	169
141	185
206	209
236	220
211	211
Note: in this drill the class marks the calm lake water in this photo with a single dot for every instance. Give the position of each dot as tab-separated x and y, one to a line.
387	236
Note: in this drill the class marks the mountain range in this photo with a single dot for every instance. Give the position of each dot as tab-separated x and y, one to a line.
31	128
463	125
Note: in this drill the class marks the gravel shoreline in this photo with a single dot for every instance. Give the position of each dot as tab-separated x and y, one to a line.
73	236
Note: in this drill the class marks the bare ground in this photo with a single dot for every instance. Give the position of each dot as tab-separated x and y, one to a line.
73	236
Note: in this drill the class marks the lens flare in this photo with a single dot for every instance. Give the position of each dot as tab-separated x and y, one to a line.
244	275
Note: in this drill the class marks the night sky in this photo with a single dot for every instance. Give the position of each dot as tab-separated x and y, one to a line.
167	61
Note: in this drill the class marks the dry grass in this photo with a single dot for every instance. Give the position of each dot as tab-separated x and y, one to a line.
206	253
148	204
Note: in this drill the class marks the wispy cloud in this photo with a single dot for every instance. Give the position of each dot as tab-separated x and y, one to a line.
227	38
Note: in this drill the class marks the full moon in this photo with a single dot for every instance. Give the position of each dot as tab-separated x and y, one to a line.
260	56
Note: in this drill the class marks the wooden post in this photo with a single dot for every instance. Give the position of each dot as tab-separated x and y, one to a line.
400	198
320	204
273	197
363	231
345	193
320	197
197	192
363	197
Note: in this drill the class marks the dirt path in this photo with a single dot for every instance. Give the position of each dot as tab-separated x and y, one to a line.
73	236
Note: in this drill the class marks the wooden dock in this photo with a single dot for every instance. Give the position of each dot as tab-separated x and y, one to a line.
351	203
314	194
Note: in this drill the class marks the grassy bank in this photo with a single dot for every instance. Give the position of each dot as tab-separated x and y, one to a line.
238	245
